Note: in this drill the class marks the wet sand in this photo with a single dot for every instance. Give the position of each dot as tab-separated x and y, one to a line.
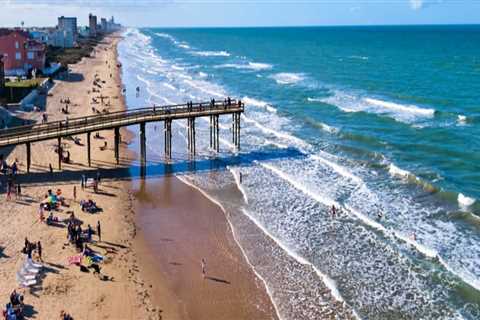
177	228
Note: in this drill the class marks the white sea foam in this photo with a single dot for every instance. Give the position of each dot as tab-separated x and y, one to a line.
248	66
315	99
330	283
343	171
202	75
184	45
402	108
258	103
365	219
465	201
165	35
397	172
353	102
168	85
236	176
297	141
359	57
180	44
203	86
300	186
211	53
276	144
462	119
329	129
288	78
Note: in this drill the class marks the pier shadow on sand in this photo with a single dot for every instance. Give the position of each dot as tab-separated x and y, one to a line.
156	169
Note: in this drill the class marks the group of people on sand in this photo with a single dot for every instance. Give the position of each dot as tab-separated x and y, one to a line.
12	186
14	308
67	102
8	169
30	247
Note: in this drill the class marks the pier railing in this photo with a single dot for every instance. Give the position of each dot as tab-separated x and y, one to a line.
79	125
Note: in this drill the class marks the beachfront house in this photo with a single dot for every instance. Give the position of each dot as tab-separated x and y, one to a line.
21	53
41	35
55	37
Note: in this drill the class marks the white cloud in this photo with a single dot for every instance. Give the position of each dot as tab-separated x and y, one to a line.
416	4
421	4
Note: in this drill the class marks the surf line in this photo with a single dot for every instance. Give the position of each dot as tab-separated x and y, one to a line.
186	181
427	252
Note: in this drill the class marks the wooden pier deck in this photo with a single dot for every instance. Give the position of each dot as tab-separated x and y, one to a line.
86	125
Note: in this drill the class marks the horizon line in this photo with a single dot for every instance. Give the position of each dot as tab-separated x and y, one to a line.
312	26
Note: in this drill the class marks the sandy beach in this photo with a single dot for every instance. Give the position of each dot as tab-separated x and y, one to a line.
144	277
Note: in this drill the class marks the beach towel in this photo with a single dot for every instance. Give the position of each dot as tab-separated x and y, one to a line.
74	259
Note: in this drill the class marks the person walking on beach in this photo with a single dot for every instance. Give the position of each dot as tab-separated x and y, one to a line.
50	167
75	193
83	182
333	211
39	251
204	268
99	231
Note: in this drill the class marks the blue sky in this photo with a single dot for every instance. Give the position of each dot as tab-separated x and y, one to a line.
173	13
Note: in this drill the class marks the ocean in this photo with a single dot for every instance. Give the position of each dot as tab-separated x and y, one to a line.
382	122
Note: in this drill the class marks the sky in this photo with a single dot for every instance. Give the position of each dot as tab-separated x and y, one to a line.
238	13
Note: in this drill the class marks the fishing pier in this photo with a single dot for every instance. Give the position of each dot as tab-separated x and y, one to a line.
114	121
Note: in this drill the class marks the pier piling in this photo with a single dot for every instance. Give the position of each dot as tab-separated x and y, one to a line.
29	159
60	153
117	142
143	145
89	149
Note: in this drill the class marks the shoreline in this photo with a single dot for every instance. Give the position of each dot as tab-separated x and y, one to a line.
127	295
176	236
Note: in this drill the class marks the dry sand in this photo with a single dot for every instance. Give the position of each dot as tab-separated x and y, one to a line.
150	280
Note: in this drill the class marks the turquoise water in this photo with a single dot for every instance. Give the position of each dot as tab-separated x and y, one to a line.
371	119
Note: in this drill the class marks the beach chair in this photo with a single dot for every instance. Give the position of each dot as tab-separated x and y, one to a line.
25	283
30	263
25	277
29	270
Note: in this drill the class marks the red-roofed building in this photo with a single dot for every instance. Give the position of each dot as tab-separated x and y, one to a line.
20	52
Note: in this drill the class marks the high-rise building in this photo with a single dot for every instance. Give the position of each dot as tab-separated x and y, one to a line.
92	24
104	25
68	24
